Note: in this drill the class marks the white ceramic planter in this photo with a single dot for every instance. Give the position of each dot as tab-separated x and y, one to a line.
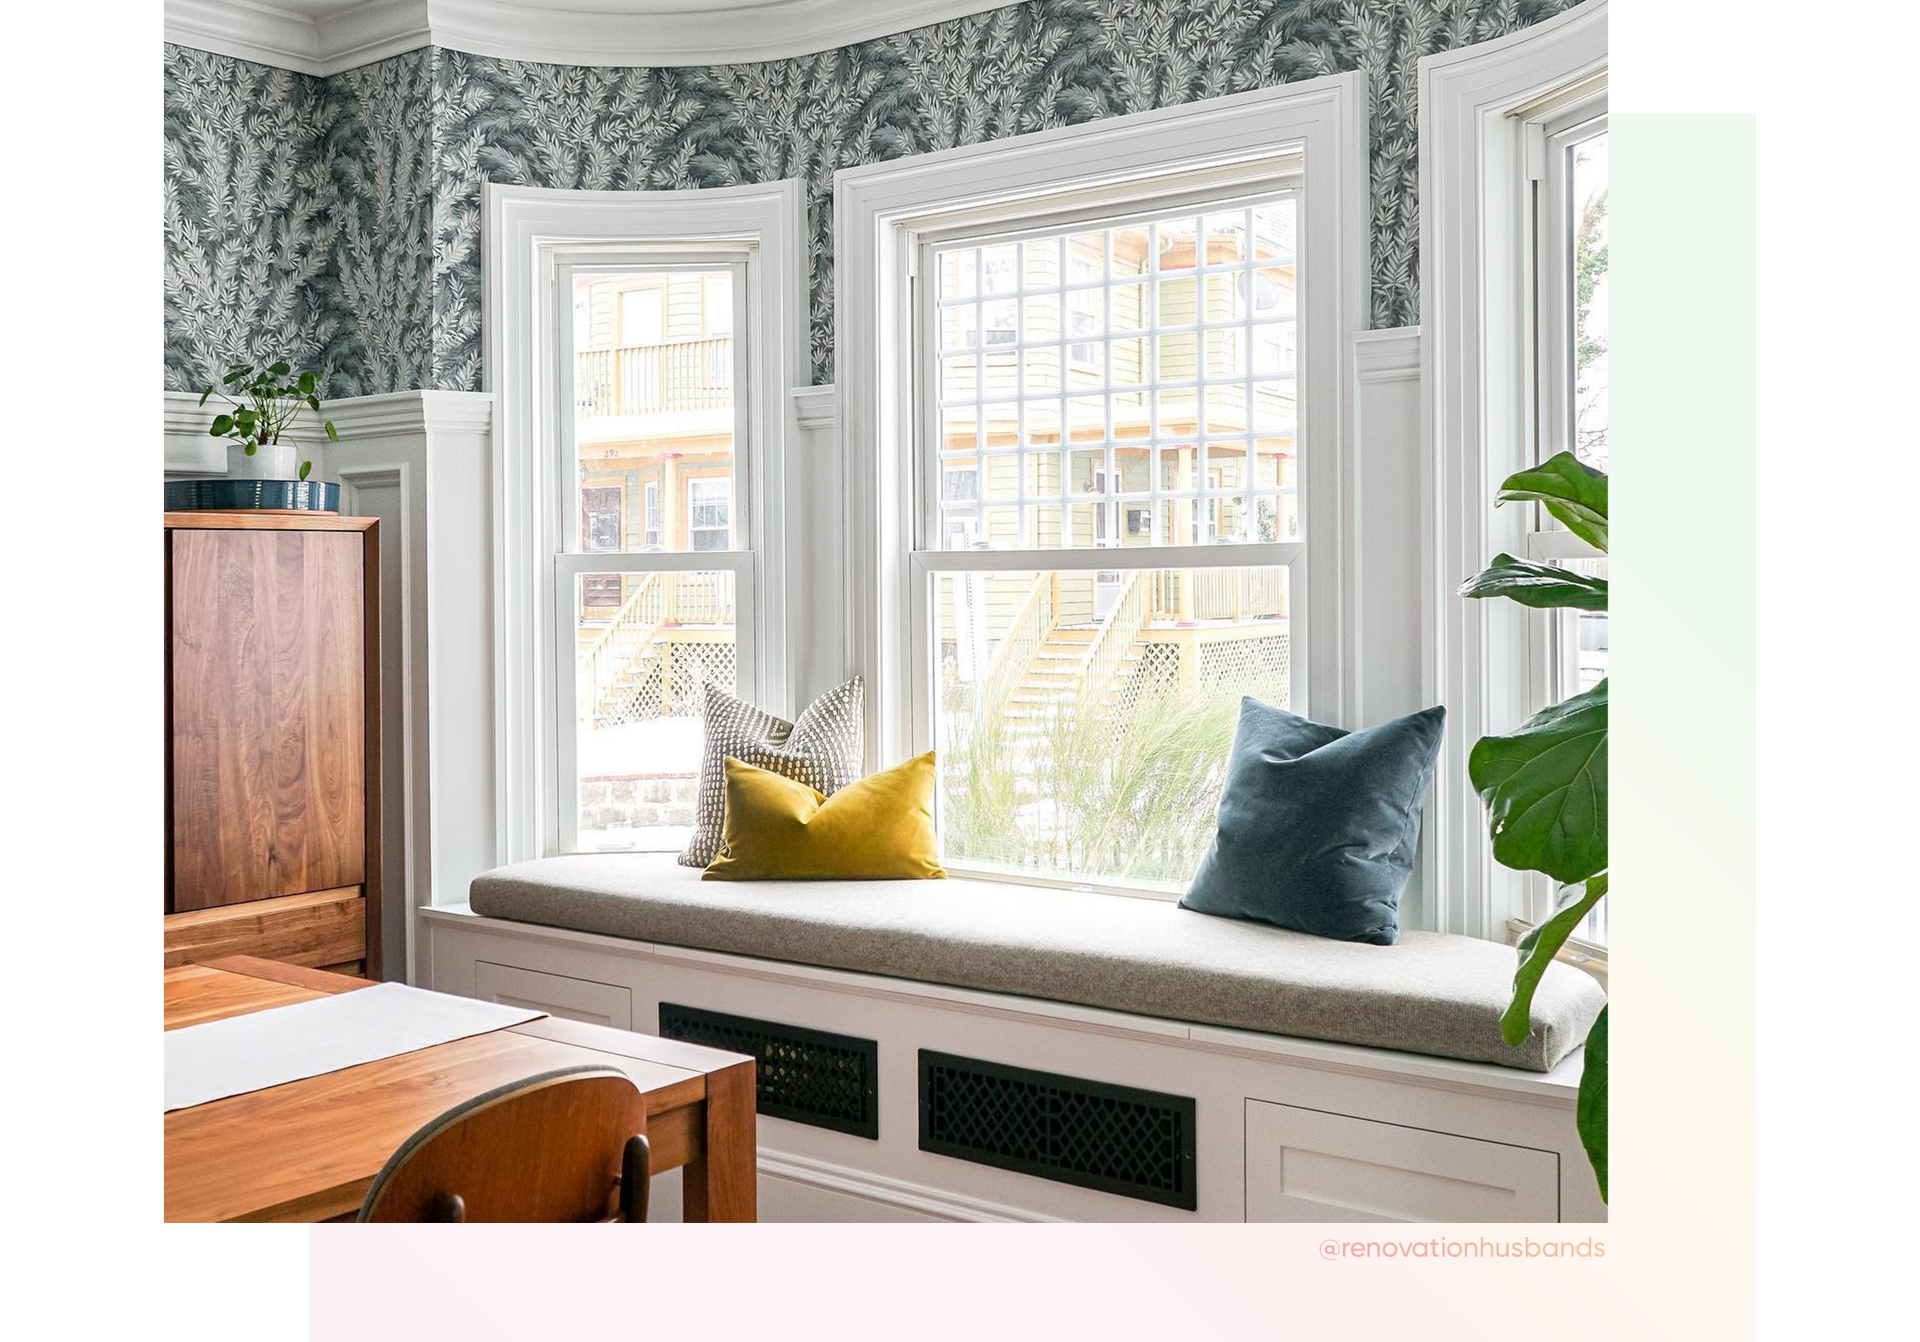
270	461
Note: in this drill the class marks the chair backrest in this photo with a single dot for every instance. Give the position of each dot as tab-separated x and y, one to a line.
568	1145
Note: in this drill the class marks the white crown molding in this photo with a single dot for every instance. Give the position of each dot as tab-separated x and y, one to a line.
643	33
354	36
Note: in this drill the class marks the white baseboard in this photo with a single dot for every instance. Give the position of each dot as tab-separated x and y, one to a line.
936	1203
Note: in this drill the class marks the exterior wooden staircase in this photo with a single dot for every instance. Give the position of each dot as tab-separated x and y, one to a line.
1072	667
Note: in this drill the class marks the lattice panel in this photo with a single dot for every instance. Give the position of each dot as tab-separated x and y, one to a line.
1261	666
1137	1143
691	665
669	684
1157	671
808	1076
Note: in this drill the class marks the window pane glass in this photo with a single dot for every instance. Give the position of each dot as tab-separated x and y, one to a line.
1083	717
645	644
1588	183
653	383
1120	343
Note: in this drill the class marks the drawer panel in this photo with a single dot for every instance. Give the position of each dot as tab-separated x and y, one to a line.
326	927
555	994
1306	1165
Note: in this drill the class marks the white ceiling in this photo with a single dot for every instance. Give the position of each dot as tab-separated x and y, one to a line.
326	36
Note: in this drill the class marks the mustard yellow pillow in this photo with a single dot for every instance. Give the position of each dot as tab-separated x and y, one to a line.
878	829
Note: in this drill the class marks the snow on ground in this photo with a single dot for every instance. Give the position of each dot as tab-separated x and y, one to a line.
659	746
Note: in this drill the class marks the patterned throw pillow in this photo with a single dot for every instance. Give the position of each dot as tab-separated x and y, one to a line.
821	749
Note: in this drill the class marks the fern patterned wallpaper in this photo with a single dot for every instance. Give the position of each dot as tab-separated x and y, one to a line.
338	219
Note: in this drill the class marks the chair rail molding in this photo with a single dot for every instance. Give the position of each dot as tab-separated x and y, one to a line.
1234	140
324	37
1474	412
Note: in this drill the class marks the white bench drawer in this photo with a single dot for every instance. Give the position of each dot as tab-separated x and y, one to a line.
1306	1165
555	994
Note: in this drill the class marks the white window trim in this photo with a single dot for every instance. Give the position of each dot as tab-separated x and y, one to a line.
879	211
526	232
1477	406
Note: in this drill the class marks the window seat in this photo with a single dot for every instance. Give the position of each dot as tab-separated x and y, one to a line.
1431	993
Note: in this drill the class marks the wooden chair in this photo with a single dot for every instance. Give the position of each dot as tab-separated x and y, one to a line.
568	1145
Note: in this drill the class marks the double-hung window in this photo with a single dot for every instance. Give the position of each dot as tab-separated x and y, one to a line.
1108	551
1566	168
653	591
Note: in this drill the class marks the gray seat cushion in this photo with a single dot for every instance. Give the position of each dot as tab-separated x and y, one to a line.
1428	993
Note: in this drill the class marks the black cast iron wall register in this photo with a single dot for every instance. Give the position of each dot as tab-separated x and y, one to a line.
1137	1143
808	1076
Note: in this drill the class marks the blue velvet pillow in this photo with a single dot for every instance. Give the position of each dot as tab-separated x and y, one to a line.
1318	826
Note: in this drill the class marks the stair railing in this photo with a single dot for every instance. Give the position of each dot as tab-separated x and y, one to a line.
1108	651
1014	655
626	636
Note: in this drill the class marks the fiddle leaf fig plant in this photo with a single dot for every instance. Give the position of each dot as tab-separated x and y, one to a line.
1545	783
263	404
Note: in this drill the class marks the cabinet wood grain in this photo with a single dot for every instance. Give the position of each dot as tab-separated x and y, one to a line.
273	725
268	778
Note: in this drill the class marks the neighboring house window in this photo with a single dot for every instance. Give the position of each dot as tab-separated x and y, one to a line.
600	531
651	539
709	513
1566	273
1123	384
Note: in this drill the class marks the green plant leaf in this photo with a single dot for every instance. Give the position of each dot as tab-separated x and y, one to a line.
1590	1110
232	378
280	369
1570	490
252	447
305	466
333	434
306	382
1541	586
1545	789
1537	949
221	425
203	395
313	402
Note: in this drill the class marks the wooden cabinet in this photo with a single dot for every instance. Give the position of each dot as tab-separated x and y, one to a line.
273	718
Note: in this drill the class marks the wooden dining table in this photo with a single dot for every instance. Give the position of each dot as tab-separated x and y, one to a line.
308	1150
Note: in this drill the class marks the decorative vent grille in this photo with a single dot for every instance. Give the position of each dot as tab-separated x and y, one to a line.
808	1076
1137	1143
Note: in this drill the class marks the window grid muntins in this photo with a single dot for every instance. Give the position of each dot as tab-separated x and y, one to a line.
1168	347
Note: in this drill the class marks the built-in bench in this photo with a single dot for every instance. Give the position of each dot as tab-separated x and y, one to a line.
1429	993
971	1050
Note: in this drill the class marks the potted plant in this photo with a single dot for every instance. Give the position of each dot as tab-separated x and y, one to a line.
264	403
1545	784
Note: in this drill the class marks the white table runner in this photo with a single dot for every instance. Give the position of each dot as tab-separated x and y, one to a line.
290	1043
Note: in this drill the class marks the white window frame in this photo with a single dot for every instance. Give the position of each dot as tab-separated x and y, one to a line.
650	513
882	213
1109	557
1480	415
1553	128
531	236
